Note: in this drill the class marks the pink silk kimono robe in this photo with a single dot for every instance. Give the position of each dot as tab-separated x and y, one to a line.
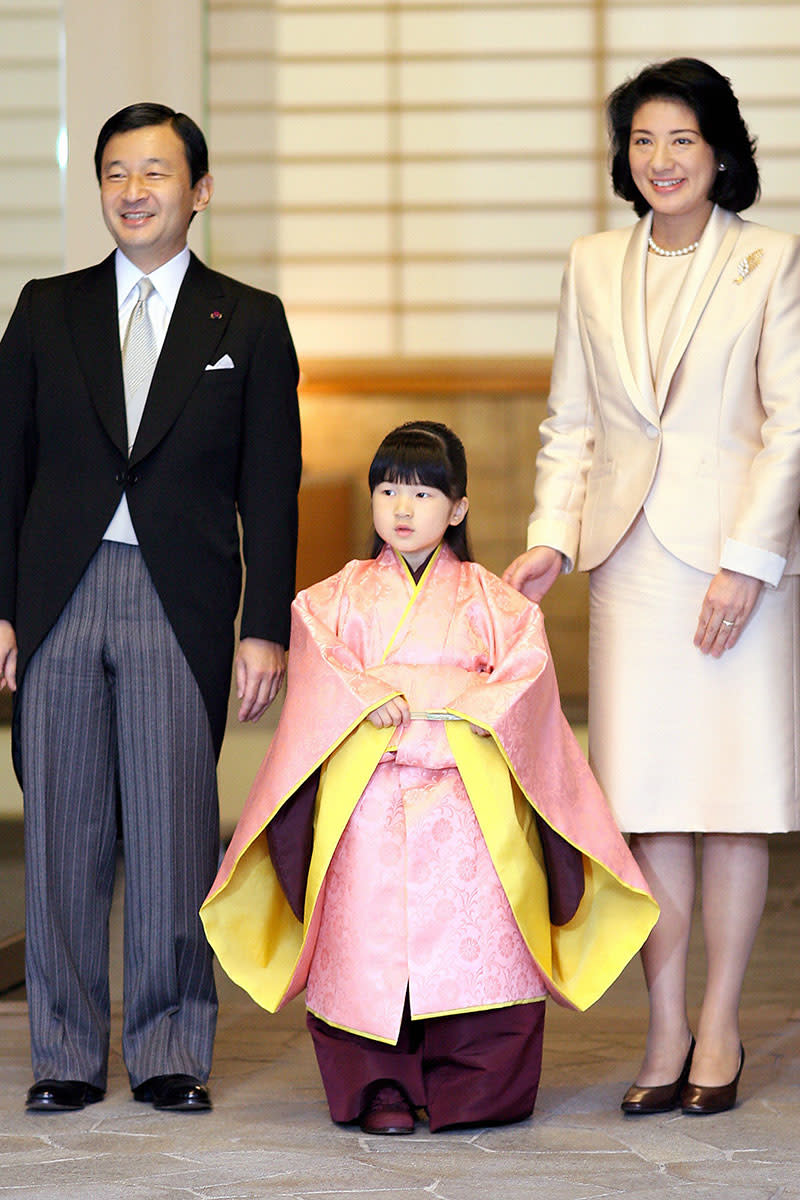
428	873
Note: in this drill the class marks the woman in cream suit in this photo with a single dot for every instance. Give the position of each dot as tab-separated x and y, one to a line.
670	469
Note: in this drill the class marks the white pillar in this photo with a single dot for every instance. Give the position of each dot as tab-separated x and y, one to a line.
118	53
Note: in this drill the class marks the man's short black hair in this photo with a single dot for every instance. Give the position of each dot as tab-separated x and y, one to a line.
137	116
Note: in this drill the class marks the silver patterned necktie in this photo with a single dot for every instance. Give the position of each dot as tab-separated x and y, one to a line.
139	357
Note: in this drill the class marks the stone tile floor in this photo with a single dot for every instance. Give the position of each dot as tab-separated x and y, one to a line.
269	1134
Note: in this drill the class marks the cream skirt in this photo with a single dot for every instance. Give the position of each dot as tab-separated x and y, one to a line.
681	741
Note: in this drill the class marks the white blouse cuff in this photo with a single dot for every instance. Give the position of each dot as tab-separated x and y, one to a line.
749	560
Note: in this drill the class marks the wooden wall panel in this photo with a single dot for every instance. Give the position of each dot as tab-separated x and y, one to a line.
31	220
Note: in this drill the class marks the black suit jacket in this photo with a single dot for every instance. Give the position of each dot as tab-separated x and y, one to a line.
210	443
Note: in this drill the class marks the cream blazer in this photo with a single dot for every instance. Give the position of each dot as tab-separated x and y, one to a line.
711	449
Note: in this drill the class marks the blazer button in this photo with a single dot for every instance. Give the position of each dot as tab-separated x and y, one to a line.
652	431
121	478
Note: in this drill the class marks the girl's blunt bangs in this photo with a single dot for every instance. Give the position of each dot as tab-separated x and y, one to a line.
404	462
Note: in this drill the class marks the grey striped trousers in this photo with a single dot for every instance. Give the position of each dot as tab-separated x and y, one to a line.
112	720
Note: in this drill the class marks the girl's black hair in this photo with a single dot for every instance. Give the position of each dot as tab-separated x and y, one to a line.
429	453
709	95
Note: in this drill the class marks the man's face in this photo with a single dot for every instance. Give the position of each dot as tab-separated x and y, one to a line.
147	196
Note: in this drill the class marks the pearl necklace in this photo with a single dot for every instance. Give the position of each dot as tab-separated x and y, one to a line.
671	253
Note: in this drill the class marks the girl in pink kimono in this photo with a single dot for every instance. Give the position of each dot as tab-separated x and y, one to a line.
424	848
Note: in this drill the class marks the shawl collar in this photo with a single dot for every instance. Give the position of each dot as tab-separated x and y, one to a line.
192	338
716	246
630	326
708	262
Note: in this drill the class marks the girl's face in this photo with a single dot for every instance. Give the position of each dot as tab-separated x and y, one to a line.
412	518
672	164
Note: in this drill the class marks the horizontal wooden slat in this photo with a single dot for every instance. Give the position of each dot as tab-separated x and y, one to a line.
366	376
410	175
31	218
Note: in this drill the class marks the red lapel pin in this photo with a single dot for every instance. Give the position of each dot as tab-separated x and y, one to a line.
216	316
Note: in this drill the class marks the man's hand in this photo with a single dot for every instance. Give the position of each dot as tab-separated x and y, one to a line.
260	667
8	656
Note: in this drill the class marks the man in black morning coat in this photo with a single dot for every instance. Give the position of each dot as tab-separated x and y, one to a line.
120	578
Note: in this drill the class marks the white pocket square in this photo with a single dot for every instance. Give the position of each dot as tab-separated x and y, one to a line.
222	364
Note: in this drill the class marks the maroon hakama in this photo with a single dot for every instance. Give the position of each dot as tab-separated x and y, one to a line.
476	1068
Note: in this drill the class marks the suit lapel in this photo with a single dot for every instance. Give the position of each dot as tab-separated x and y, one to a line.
199	320
92	318
630	322
716	246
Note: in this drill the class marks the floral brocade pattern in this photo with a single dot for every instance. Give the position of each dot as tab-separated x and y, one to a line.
412	900
403	891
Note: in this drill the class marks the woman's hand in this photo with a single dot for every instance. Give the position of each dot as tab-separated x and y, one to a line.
725	612
534	572
393	712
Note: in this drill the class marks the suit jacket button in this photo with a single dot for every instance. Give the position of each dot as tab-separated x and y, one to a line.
121	478
652	431
133	479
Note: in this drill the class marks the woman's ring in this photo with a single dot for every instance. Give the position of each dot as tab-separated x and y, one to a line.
730	624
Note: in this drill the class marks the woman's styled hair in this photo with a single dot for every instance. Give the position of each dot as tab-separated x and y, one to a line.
428	453
709	95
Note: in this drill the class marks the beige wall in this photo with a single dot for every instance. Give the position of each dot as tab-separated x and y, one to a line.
116	54
66	67
409	176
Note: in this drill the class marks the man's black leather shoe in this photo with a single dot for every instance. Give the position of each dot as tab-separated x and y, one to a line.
61	1095
177	1093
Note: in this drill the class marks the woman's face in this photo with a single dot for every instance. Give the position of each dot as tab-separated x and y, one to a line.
672	164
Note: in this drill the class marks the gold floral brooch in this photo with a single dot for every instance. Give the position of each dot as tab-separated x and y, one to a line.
747	265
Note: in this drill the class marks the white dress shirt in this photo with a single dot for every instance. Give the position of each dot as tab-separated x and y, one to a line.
166	281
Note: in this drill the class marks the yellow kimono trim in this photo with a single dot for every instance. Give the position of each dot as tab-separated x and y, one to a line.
412	598
361	719
373	1037
255	934
344	778
585	956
